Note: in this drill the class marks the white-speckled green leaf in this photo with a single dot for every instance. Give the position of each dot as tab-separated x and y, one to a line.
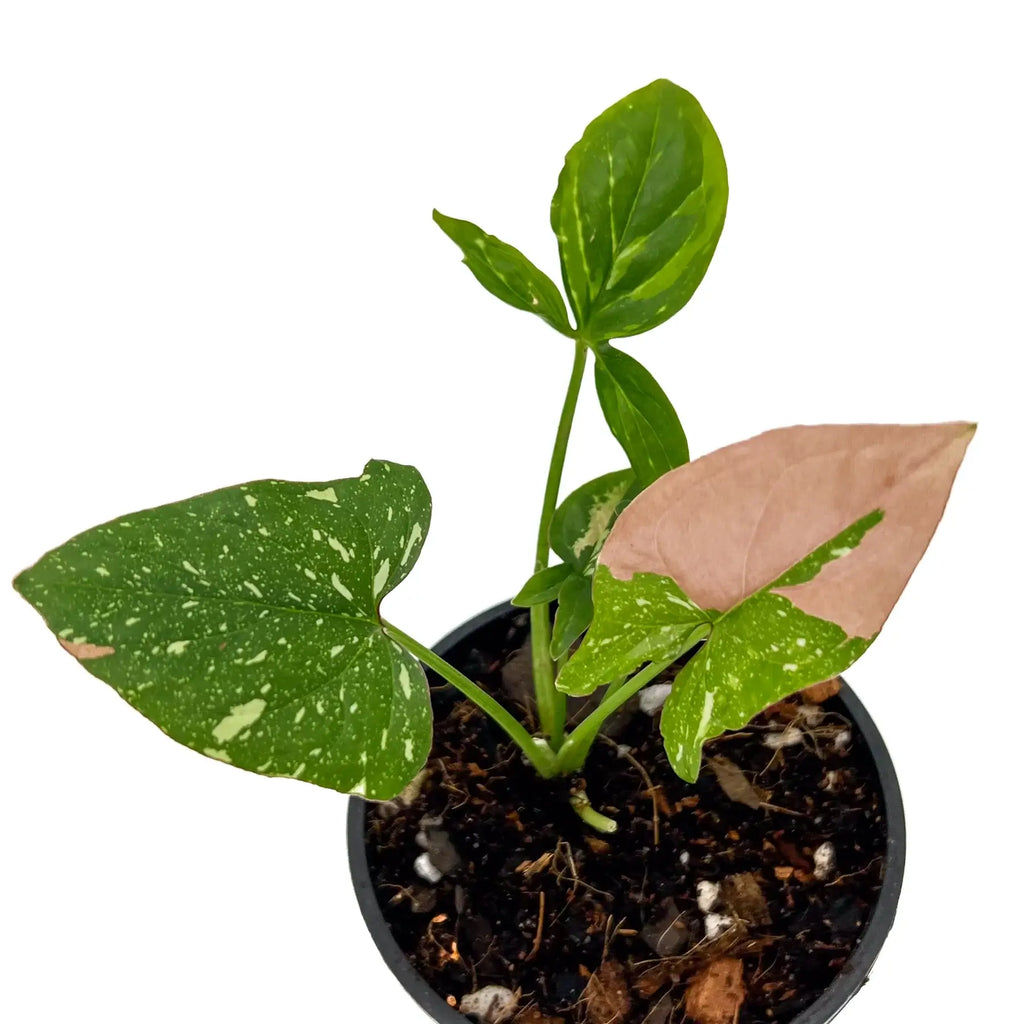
506	273
244	623
645	618
638	211
758	652
583	520
639	414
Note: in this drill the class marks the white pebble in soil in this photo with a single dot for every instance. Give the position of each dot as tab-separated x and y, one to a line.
842	739
824	861
653	697
492	1004
716	924
424	867
707	895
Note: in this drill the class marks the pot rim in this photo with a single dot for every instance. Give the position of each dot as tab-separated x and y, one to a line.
835	996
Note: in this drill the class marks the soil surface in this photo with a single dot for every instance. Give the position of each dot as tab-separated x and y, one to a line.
713	902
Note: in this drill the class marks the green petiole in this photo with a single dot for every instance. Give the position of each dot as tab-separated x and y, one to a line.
536	750
550	702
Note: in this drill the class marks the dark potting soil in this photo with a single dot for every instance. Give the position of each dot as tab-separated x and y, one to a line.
606	929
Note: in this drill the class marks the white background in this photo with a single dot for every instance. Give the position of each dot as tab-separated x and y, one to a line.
218	264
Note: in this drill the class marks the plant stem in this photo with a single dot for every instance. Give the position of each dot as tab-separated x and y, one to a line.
536	750
593	817
551	703
575	749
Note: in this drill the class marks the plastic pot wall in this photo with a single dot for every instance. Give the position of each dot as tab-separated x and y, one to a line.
832	999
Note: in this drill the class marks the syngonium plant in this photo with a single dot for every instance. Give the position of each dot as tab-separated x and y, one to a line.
246	622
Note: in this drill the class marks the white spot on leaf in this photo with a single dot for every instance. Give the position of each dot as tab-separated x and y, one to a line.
241	717
381	578
327	494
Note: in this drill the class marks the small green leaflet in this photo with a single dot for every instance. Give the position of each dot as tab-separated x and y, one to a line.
543	586
640	415
759	652
506	273
638	211
244	623
645	618
573	614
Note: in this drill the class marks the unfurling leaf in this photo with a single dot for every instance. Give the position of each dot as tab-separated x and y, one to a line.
506	273
638	211
244	623
543	586
796	544
640	415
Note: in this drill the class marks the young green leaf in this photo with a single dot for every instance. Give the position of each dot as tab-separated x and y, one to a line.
640	415
506	273
638	211
645	618
244	623
573	615
543	586
583	520
805	537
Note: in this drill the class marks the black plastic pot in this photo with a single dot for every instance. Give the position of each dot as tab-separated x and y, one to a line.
831	1000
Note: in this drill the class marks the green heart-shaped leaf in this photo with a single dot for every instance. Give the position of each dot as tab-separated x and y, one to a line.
506	273
638	211
244	623
640	415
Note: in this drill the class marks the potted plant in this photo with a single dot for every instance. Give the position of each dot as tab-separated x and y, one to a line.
644	795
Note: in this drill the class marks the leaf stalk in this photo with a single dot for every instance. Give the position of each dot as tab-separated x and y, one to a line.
550	702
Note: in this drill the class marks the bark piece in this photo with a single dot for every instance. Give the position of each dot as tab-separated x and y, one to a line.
716	993
745	899
607	994
821	692
735	784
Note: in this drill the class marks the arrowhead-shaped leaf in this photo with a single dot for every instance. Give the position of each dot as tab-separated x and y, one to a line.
796	543
244	623
640	415
638	211
506	273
